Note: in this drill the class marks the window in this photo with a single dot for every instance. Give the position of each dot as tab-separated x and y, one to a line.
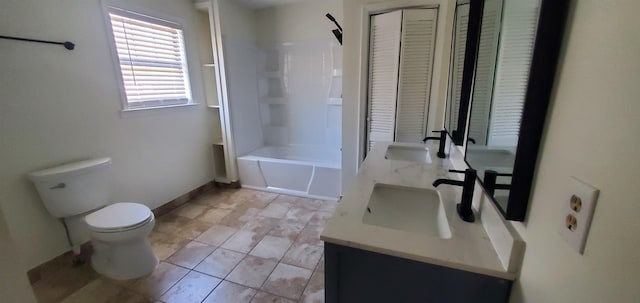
152	60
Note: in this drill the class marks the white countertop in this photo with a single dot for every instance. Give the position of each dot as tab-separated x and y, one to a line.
468	249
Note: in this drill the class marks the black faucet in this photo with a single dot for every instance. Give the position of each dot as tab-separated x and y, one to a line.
442	139
490	184
464	207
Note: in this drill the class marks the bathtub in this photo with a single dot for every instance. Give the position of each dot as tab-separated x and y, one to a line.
299	170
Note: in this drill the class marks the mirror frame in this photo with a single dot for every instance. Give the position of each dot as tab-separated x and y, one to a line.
544	63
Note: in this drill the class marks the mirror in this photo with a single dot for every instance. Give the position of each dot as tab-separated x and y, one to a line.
515	61
466	30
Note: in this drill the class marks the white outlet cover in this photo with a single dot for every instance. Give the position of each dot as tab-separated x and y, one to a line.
588	195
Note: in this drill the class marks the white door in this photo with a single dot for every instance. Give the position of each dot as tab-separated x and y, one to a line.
516	50
485	71
401	53
457	63
384	51
416	69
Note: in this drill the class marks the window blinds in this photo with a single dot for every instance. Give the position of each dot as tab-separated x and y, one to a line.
152	59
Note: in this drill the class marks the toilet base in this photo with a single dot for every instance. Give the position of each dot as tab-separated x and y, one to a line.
124	260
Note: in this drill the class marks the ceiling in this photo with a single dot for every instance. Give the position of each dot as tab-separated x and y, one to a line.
258	4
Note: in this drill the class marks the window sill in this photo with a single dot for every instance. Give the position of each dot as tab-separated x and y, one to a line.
136	111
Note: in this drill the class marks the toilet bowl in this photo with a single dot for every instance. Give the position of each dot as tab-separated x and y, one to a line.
119	236
118	231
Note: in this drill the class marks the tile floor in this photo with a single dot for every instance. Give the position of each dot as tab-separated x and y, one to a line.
227	245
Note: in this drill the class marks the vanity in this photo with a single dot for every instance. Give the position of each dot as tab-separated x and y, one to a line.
395	238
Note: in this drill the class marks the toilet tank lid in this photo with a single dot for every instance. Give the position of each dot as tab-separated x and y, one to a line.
118	215
69	168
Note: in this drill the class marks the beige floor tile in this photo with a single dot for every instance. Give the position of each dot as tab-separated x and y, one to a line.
287	281
97	291
287	228
310	234
164	245
220	262
212	197
239	217
261	225
128	296
252	271
191	254
193	288
320	218
309	203
264	297
242	241
314	292
303	255
216	235
329	206
165	276
320	266
62	280
271	247
275	210
190	210
290	200
228	292
299	214
214	215
181	226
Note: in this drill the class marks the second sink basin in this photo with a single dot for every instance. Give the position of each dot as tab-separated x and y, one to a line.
418	154
409	209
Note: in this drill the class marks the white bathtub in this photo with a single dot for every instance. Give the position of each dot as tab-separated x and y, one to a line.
300	170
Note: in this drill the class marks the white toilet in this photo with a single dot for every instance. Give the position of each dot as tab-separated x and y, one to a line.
118	231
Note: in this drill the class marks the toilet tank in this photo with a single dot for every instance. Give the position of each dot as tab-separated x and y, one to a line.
74	188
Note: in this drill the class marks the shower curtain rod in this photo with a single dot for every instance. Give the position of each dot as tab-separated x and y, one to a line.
68	45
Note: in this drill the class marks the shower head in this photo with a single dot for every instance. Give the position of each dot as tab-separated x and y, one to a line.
334	21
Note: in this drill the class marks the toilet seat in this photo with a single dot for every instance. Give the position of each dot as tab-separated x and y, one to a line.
119	217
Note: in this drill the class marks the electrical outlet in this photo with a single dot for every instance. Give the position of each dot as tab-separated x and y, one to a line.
577	212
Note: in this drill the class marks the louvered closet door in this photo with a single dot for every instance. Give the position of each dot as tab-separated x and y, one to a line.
384	51
485	71
516	49
416	71
457	62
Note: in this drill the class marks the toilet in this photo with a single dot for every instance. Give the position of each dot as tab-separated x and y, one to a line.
118	231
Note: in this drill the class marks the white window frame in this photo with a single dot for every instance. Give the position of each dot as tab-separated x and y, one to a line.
155	18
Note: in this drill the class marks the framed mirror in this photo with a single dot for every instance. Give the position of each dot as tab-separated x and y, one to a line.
513	74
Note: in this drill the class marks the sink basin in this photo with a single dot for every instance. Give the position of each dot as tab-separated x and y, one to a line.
418	154
497	159
409	209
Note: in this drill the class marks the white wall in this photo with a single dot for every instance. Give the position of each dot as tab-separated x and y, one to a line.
14	285
307	52
58	106
240	54
299	22
354	81
592	134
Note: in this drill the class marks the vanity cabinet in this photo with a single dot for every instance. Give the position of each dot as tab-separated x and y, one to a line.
354	275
